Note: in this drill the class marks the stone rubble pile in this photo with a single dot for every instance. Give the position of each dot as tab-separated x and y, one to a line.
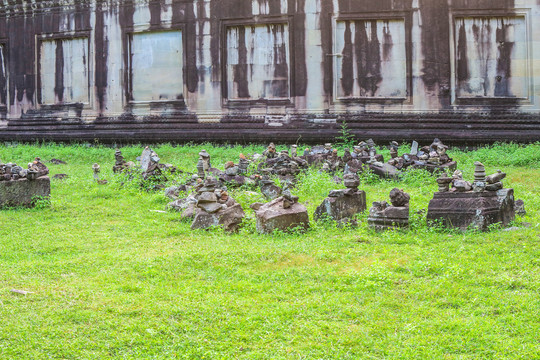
286	166
214	207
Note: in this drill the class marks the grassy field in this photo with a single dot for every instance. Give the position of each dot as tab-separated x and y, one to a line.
110	278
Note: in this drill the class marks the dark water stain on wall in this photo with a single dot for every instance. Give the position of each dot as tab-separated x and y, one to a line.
297	7
240	72
101	45
202	18
368	57
388	44
155	13
274	7
3	76
504	61
280	84
462	61
325	22
482	37
347	66
126	13
435	39
59	72
192	78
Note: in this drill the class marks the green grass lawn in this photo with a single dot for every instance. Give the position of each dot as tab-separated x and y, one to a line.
110	278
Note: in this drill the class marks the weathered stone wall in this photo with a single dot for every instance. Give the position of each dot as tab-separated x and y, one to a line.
254	70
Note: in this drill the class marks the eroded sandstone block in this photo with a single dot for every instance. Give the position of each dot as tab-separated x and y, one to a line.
23	192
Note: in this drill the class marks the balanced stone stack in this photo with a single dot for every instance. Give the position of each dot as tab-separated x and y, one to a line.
383	216
281	164
432	158
343	205
460	204
215	207
21	187
120	163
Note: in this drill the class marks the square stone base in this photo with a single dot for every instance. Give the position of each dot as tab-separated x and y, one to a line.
22	192
472	210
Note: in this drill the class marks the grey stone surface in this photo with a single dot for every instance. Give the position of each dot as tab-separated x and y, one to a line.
342	208
383	216
272	216
463	210
23	191
229	218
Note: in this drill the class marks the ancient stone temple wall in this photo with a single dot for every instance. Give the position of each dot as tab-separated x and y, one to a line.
256	70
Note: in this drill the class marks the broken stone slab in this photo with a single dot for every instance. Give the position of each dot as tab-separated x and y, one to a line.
386	171
229	218
273	216
149	160
210	207
464	210
341	208
23	192
507	211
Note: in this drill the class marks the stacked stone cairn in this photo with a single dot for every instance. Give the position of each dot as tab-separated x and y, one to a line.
462	204
283	213
120	164
281	164
432	158
236	174
342	206
383	216
19	187
214	207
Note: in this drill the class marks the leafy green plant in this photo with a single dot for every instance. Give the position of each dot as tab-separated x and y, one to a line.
345	139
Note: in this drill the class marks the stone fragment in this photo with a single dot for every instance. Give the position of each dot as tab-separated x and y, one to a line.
495	178
414	148
229	218
341	208
494	187
399	197
519	207
272	216
207	197
57	162
269	189
60	176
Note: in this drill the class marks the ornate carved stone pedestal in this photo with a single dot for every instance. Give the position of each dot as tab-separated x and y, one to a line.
472	209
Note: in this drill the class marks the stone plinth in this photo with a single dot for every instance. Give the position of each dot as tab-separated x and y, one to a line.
23	191
273	216
472	209
342	208
388	218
